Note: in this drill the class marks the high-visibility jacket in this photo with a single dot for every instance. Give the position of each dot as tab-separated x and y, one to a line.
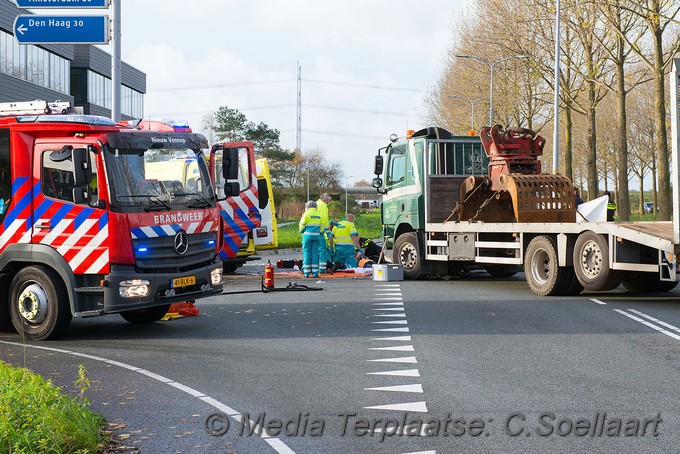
343	232
322	207
310	223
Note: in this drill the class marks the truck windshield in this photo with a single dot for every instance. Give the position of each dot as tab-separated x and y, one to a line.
158	179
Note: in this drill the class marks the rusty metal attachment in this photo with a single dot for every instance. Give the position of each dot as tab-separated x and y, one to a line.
515	190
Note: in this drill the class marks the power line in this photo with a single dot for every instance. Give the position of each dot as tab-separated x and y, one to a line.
339	134
350	84
349	109
234	84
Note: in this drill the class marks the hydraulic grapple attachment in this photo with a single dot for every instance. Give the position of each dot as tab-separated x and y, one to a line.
515	190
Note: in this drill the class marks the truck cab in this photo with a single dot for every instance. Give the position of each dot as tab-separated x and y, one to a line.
235	183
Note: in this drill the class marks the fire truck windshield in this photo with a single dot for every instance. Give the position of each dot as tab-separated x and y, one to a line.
158	179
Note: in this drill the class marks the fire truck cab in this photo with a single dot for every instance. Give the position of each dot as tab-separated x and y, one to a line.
85	227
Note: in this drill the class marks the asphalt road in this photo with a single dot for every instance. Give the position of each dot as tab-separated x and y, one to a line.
479	364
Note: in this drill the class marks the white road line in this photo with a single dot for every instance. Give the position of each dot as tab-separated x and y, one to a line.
646	323
392	322
387	298
402	314
401	303
394	330
656	320
422	452
415	388
398	348
395	293
398	373
389	309
388	285
598	301
419	407
404	360
393	338
278	445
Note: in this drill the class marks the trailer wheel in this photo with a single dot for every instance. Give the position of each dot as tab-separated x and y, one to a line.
407	253
544	276
145	316
591	263
637	282
39	306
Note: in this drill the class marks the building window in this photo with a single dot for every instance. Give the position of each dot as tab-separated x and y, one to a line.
33	64
99	93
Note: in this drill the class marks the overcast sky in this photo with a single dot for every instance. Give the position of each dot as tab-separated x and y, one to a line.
365	66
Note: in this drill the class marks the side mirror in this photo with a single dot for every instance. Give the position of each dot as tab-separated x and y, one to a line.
80	195
378	166
81	169
377	182
232	189
230	164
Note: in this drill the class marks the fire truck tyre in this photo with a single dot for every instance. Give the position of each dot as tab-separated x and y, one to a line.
502	270
5	319
591	263
145	316
541	270
637	282
407	253
39	306
574	287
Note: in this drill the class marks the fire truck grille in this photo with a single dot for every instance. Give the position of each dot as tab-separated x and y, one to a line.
159	254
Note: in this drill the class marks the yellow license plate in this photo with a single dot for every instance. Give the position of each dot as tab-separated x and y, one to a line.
183	281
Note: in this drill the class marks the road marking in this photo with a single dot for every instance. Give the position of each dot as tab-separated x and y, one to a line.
393	338
392	322
401	314
416	388
404	359
398	373
401	303
394	330
394	293
656	320
598	301
387	298
422	452
398	348
278	445
419	407
646	323
389	309
388	285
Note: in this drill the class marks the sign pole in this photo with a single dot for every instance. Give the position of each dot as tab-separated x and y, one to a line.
115	63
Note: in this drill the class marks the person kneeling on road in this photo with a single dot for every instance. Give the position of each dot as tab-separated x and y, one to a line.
345	239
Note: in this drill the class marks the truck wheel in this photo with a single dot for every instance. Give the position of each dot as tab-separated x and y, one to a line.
38	302
502	270
145	316
591	263
407	253
544	276
637	282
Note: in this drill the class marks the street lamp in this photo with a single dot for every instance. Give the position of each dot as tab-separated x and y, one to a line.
491	65
346	203
472	105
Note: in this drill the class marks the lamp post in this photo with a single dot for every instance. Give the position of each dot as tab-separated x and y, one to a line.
491	65
346	203
472	105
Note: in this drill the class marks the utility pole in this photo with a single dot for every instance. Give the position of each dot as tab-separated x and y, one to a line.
298	126
115	62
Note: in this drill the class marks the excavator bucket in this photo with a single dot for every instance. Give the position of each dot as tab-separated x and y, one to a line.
540	198
479	203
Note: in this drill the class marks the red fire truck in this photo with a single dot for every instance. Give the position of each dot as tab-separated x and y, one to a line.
85	231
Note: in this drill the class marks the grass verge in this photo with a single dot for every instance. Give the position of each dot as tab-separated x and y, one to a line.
35	417
368	225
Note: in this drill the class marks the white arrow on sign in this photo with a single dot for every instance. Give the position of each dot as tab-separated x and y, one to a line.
22	29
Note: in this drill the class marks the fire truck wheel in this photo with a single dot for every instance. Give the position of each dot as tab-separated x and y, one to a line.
144	316
637	282
591	263
542	271
39	306
407	253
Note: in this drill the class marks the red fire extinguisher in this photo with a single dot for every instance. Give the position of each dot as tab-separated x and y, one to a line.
268	279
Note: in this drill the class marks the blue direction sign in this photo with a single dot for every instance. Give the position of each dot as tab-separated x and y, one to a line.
63	3
38	29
